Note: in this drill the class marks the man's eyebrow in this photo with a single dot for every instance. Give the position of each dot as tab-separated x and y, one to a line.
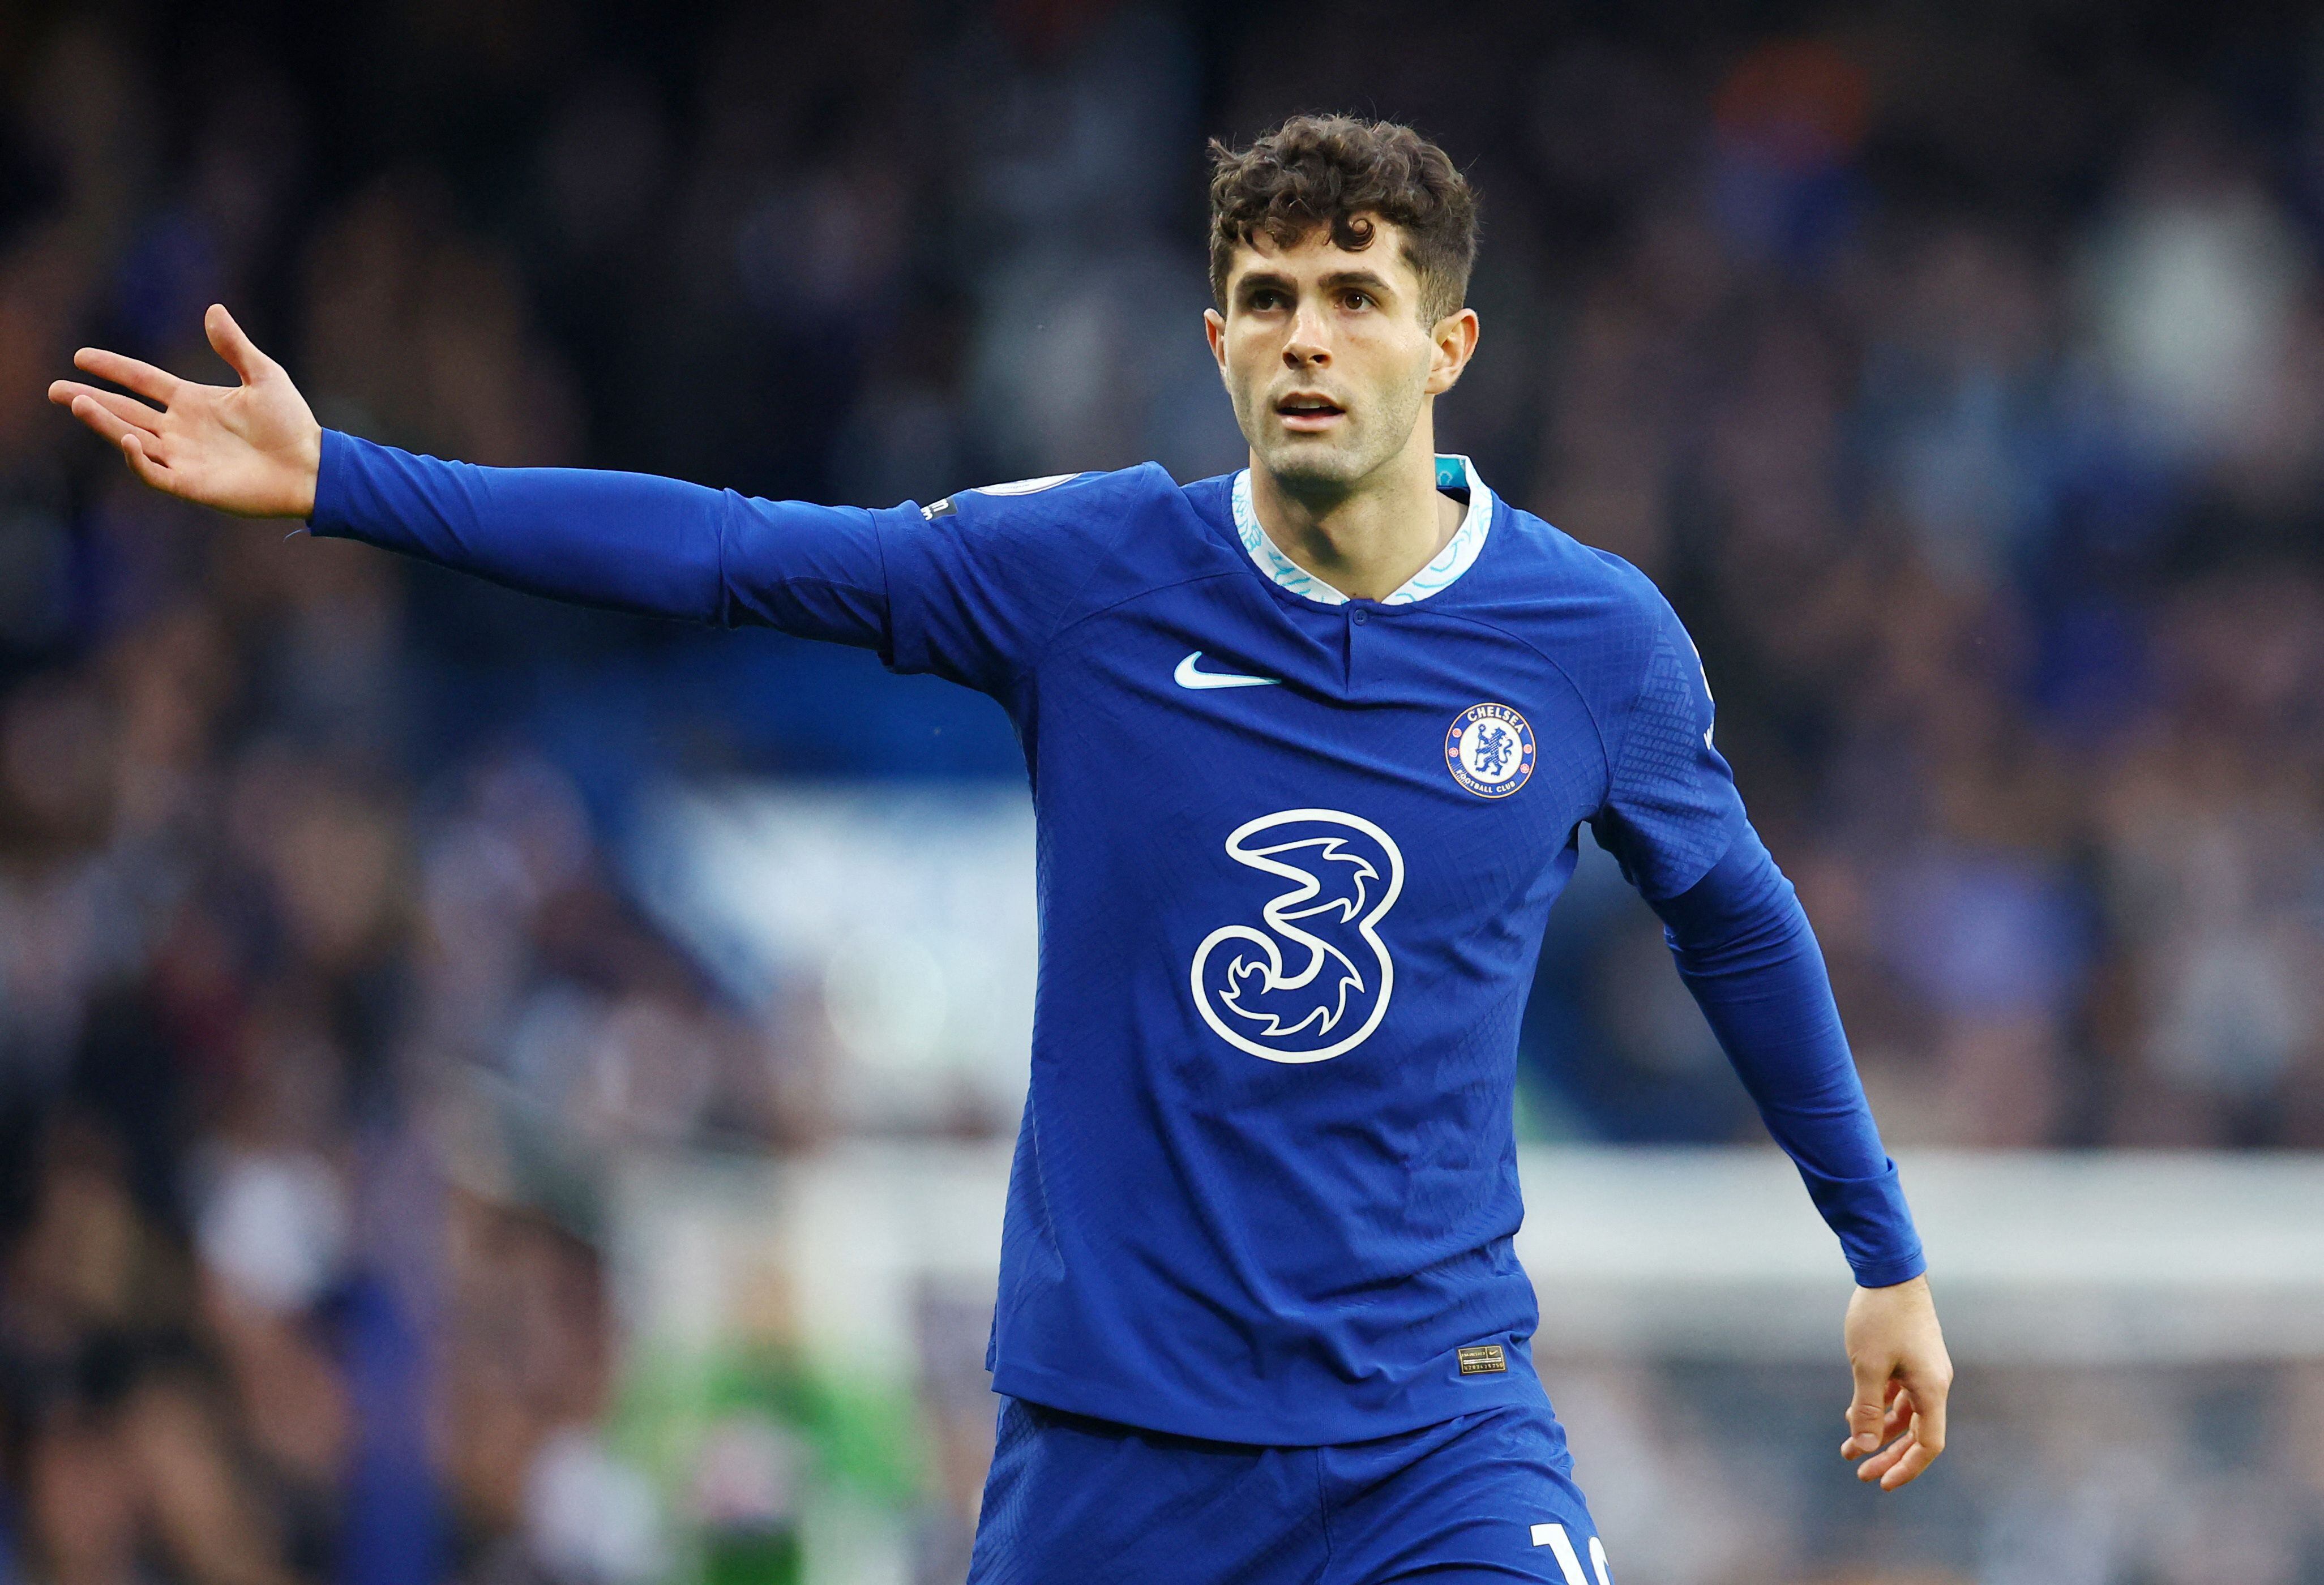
1258	278
1338	280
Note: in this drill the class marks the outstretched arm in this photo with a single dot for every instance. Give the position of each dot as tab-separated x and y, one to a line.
970	588
1745	949
251	449
629	541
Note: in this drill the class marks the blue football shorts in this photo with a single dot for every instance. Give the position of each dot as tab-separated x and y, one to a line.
1489	1497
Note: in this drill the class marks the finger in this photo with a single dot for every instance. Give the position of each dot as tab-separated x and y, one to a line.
1896	1424
133	447
1897	1413
1929	1396
1903	1460
1908	1468
1868	1409
1928	1436
157	385
1900	1415
101	418
228	341
1885	1460
128	410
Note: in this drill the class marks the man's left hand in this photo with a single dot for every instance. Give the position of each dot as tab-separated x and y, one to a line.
1896	1353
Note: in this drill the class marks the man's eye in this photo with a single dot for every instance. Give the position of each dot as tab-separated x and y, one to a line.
1359	300
1265	300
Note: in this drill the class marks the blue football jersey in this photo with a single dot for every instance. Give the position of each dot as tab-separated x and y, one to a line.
1295	853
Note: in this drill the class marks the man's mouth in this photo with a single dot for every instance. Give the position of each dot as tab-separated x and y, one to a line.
1308	411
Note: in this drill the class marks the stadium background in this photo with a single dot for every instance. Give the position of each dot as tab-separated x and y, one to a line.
372	1017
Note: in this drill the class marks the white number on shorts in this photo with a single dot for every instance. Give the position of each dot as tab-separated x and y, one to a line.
1561	1545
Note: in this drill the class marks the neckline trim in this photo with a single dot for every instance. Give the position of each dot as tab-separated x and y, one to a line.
1460	552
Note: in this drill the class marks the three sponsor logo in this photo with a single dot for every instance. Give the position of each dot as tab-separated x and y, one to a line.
1312	979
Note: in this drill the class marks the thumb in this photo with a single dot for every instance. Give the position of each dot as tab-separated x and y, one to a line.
1868	1411
227	340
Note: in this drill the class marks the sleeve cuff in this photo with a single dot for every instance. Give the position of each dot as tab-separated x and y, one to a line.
329	518
1873	1223
1887	1273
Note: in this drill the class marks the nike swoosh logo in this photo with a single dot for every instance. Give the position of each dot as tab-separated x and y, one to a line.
1186	677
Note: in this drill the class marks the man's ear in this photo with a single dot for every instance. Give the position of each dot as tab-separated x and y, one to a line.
1214	326
1455	338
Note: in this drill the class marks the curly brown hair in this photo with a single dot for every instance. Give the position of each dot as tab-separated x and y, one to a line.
1335	171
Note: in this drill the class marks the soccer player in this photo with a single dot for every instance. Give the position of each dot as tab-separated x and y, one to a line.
1310	747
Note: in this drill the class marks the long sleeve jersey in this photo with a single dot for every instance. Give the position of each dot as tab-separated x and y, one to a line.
1295	851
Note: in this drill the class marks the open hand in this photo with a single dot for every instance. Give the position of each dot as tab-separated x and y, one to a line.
1896	1353
251	449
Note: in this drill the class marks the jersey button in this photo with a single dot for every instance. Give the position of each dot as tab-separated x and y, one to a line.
1362	616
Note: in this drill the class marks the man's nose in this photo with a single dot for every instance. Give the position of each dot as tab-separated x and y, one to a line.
1308	346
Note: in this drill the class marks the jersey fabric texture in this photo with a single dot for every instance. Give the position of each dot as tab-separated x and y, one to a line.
1484	1498
1295	856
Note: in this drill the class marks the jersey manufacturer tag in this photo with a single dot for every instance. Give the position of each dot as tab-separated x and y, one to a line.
1483	1359
1191	675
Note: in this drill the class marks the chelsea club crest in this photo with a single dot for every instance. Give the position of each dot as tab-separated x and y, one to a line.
1489	750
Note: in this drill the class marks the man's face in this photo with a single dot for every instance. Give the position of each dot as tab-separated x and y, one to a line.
1326	358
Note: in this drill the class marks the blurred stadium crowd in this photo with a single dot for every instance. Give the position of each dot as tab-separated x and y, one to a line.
1958	371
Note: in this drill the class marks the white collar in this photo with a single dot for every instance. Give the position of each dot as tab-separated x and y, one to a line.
1453	473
